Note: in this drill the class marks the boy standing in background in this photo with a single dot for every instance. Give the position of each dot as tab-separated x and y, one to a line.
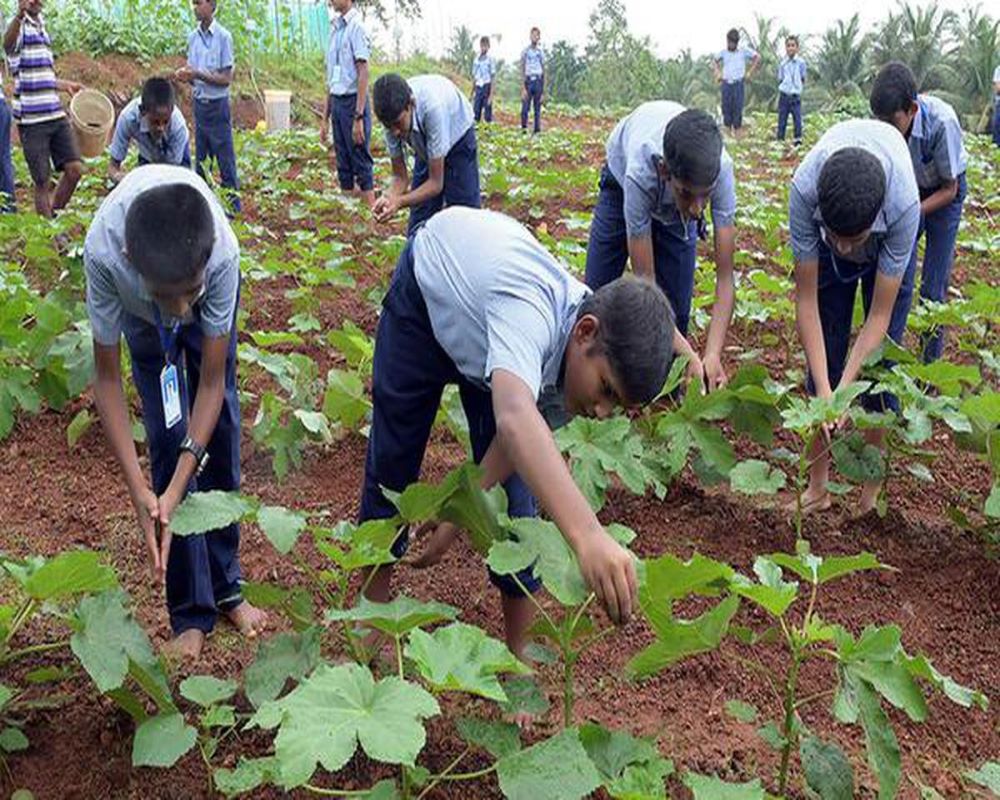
484	71
7	205
532	80
791	79
731	70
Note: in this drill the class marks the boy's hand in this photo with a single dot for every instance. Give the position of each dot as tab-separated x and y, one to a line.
359	132
324	132
608	569
385	207
185	74
440	537
167	503
696	371
147	510
715	373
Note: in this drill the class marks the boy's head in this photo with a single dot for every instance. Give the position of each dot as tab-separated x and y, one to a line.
851	190
341	6
157	105
394	104
34	7
484	45
536	35
169	235
732	38
692	156
894	96
204	10
791	46
620	349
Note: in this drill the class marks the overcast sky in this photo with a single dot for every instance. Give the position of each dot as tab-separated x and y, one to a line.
672	25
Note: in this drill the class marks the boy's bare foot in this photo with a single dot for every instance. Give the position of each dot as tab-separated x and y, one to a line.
869	499
812	502
249	620
186	646
436	539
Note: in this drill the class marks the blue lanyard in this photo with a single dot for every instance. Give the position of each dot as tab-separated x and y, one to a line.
167	340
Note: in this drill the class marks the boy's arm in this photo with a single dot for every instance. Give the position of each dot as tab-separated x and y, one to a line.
525	438
118	150
359	108
13	32
875	327
722	310
940	198
429	189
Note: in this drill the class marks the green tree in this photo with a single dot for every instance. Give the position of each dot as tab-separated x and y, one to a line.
922	38
461	51
977	54
688	81
841	61
769	41
564	70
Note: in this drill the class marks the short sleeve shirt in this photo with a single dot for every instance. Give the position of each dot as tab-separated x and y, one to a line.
634	152
895	228
935	143
533	59
442	117
484	69
169	149
496	298
734	62
348	45
996	75
212	51
36	98
791	75
115	288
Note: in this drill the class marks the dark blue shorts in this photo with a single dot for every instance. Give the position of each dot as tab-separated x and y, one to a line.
461	181
410	371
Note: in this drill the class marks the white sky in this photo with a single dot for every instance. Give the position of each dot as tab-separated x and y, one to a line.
672	25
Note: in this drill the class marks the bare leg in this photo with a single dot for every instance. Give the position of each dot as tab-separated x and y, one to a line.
43	201
368	197
72	173
816	497
870	490
518	614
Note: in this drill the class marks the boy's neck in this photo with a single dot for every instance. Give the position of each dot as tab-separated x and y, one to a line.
207	23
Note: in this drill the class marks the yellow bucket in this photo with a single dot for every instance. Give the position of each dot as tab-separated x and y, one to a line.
91	115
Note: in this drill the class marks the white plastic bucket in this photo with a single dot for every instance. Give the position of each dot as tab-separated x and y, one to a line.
278	109
91	115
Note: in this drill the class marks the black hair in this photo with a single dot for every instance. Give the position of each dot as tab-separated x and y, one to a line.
733	35
484	40
535	28
157	93
851	190
692	148
636	334
894	90
791	38
391	96
169	233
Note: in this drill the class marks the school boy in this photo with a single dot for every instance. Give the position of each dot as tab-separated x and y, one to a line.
476	300
853	217
791	79
156	125
996	106
162	269
7	204
484	73
434	119
532	80
731	72
347	102
934	136
46	138
664	164
209	69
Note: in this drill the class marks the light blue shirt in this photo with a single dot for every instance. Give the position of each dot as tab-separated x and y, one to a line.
635	149
533	59
936	143
115	288
734	63
496	298
441	118
211	51
348	45
895	228
484	69
169	149
791	75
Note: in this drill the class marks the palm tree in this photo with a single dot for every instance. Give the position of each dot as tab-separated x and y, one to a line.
841	61
762	93
688	81
923	39
979	45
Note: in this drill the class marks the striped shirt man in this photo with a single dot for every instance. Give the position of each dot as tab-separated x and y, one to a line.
36	99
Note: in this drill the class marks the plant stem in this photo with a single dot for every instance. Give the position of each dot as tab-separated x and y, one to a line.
34	649
336	792
436	779
472	776
399	656
20	617
568	699
787	728
814	697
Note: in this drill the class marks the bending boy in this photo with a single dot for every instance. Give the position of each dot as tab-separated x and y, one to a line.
162	268
156	125
476	300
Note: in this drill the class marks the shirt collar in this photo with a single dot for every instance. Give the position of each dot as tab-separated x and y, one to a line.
878	226
917	130
209	32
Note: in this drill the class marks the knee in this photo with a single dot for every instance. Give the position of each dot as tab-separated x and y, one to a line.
73	171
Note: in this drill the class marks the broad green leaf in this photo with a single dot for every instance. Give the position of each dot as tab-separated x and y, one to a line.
682	638
524	696
880	741
773	594
208	511
668	579
704	787
893	681
756	477
499	739
613	751
346	401
983	407
741	710
556	769
827	770
354	547
162	740
947	377
249	774
315	422
857	460
771	735
13	740
6	693
78	427
820	571
109	639
643	781
921	667
384	790
461	657
323	720
287	656
874	644
281	527
223	716
992	507
988	776
396	617
70	573
206	690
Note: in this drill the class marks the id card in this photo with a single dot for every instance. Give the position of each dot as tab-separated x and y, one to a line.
170	393
337	70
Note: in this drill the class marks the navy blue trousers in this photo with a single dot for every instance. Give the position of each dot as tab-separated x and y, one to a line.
6	164
789	104
838	285
732	104
941	231
203	572
996	121
480	105
673	256
461	181
535	87
409	373
213	139
354	161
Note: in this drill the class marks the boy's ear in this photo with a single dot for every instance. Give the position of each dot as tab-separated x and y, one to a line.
586	329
